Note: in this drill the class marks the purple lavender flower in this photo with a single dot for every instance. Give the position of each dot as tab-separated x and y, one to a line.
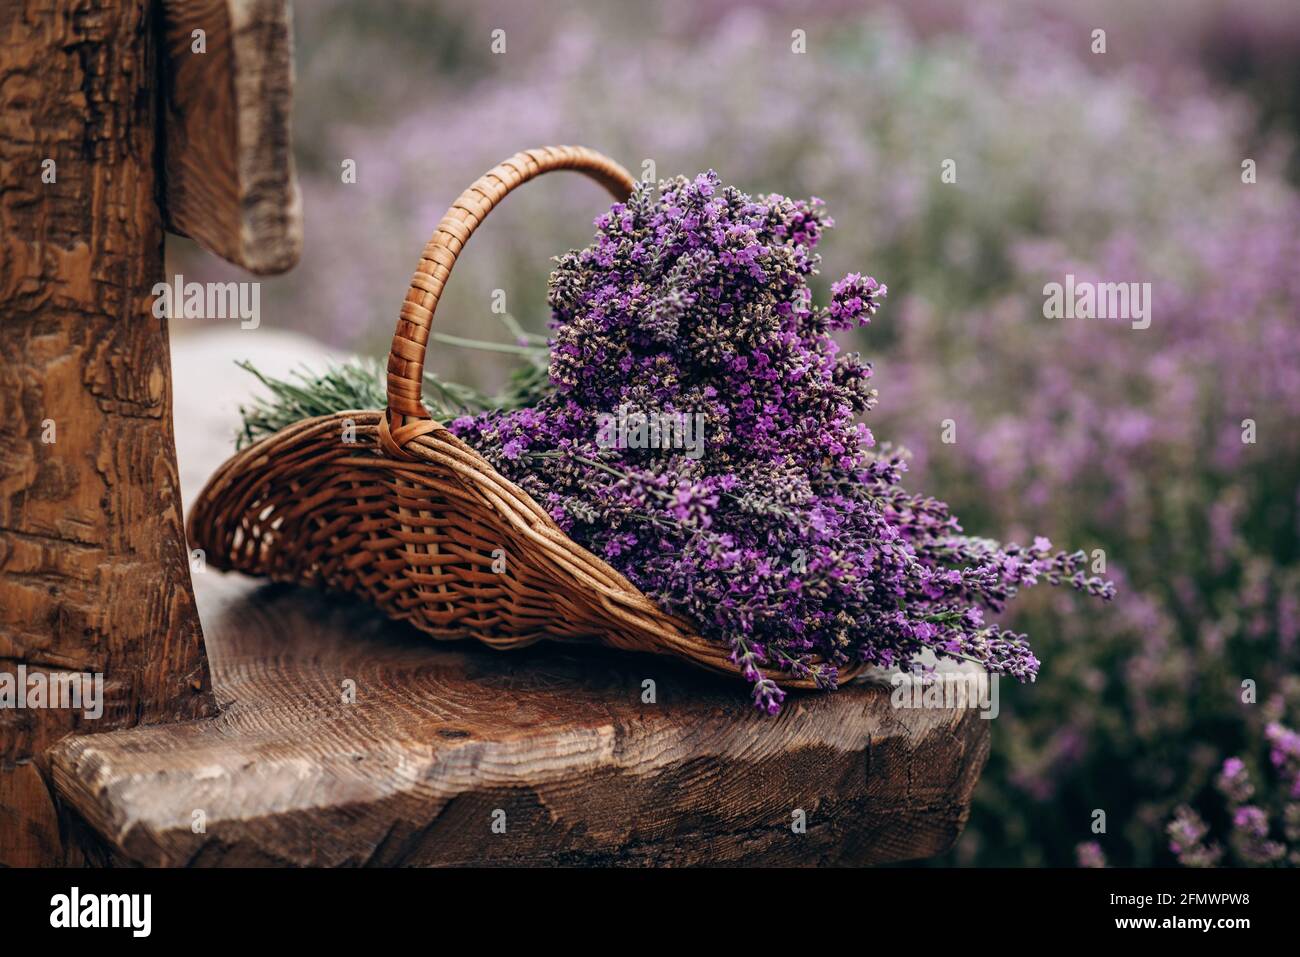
1249	838
1187	832
1089	854
790	539
1284	753
1234	782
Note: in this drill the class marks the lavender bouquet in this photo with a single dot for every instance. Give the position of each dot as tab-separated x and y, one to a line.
699	431
736	487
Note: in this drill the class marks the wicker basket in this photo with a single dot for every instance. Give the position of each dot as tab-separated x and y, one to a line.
410	518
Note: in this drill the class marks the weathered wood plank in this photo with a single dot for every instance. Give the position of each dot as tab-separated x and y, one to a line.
442	738
227	100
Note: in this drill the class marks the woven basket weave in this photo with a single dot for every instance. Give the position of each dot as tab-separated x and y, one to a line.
410	518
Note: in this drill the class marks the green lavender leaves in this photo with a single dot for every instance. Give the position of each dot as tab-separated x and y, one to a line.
358	384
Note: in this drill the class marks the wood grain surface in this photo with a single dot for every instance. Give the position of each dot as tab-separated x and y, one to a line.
441	741
93	565
230	180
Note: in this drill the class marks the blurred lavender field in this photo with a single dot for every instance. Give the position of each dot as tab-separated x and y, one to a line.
1124	166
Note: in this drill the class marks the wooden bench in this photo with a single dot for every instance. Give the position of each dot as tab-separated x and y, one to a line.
347	739
457	754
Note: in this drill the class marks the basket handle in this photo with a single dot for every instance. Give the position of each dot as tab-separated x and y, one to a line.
406	410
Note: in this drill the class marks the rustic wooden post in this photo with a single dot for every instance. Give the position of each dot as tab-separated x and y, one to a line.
117	120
